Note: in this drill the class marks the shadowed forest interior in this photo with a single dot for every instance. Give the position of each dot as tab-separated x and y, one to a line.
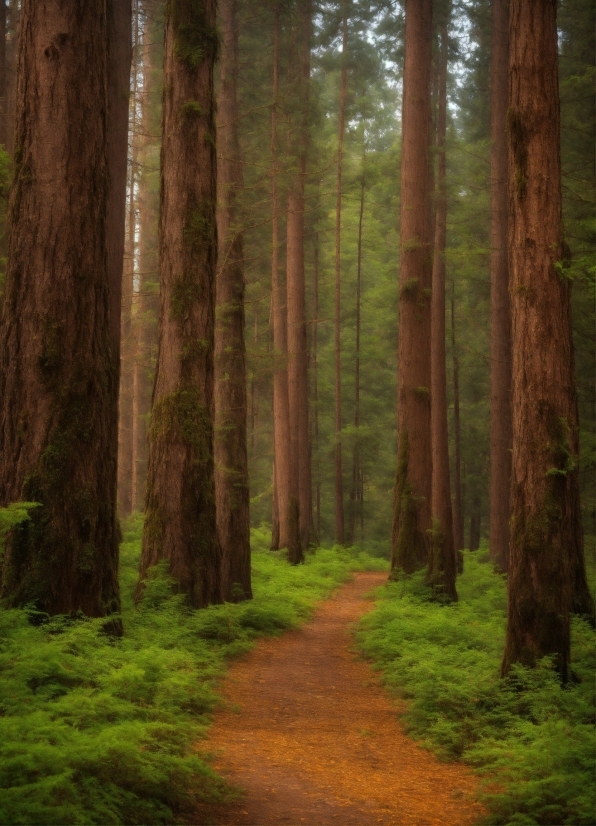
291	292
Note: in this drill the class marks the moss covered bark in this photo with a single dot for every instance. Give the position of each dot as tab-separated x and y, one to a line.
59	328
180	523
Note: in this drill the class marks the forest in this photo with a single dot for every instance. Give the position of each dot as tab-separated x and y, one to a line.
297	412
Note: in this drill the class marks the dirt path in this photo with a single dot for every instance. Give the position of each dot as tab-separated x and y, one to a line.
314	739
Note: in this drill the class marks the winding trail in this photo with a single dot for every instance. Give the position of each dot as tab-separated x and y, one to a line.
313	738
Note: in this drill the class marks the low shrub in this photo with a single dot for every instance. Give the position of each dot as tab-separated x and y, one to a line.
530	738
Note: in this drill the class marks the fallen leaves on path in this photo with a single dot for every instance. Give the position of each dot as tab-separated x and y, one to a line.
313	738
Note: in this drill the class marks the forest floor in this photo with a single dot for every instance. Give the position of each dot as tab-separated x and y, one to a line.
311	736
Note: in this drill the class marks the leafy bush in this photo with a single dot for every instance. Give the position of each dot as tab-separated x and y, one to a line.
531	739
102	731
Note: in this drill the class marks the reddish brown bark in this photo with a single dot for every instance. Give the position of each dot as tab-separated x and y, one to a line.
296	293
58	376
500	338
356	490
231	460
339	485
546	533
411	519
285	485
458	515
125	405
442	559
180	520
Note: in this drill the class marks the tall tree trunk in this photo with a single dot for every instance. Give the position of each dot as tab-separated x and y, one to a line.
58	374
442	559
180	521
3	74
231	459
315	369
411	519
546	532
296	293
339	485
12	55
458	515
125	422
500	334
147	301
356	489
285	479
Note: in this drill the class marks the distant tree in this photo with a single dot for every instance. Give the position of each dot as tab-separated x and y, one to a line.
442	559
500	342
180	519
295	279
546	531
411	519
339	492
59	368
231	464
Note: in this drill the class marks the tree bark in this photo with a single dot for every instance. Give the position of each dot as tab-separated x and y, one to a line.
546	532
3	74
339	493
356	489
458	515
147	300
500	338
58	376
442	559
231	459
12	56
126	419
285	475
296	293
180	520
411	519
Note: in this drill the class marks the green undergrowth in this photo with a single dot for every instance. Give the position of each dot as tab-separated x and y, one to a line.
530	739
98	731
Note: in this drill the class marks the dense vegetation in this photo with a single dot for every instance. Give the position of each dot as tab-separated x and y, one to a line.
531	740
94	730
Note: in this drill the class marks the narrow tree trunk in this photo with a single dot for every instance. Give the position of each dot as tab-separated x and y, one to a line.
285	474
339	492
231	459
442	559
180	521
147	301
411	519
125	422
315	357
12	55
356	489
475	523
58	373
546	533
500	338
458	516
3	74
296	292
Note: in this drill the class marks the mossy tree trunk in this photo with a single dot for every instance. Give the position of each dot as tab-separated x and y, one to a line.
231	461
500	332
546	533
180	520
59	367
442	559
411	517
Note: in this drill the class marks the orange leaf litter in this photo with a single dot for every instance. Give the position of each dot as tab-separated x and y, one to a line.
312	737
